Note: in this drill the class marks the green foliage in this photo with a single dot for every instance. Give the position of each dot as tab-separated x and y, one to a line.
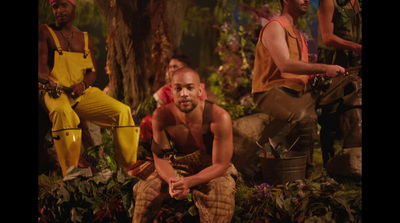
104	197
145	108
108	197
320	200
104	153
231	81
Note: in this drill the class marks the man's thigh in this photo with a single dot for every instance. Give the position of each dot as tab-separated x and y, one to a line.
101	109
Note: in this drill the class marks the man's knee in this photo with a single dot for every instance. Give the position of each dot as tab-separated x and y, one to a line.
149	195
216	203
64	117
125	115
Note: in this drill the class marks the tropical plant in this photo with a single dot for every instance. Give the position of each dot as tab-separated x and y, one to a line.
108	196
320	200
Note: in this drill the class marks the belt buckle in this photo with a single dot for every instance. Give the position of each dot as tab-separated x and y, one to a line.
169	151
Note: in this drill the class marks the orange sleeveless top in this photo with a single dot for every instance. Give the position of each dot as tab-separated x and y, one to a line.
266	73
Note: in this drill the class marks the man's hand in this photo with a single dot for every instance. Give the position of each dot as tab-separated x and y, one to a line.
334	70
50	83
77	90
178	188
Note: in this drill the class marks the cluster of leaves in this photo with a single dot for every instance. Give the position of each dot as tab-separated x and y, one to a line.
145	108
320	200
103	155
104	197
108	196
231	81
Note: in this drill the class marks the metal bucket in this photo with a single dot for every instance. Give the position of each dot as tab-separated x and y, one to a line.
279	171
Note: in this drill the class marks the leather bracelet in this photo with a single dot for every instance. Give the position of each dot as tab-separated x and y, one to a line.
84	85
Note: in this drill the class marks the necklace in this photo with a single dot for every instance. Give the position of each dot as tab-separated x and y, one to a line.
69	40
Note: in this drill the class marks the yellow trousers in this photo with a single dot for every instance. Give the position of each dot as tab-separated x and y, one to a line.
93	105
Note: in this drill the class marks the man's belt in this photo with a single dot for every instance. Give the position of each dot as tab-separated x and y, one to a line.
290	92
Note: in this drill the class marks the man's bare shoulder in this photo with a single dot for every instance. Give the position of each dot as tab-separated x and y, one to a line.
78	31
43	32
164	113
273	27
220	115
273	33
221	126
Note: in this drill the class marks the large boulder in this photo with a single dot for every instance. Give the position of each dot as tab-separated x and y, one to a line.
346	165
246	131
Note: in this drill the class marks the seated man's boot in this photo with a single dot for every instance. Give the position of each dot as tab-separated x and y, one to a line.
68	147
126	141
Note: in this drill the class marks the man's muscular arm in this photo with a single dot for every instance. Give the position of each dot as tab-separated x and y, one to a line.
326	9
163	167
273	38
222	152
43	69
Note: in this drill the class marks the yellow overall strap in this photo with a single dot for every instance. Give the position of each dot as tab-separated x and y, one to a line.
59	49
86	38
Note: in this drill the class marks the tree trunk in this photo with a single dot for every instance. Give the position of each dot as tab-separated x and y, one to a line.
139	44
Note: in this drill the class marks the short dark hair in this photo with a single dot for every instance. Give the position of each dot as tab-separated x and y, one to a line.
182	58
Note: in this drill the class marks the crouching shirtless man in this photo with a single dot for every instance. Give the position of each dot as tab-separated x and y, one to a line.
192	148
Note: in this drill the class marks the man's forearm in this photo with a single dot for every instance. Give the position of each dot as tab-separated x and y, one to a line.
207	174
164	168
300	67
339	43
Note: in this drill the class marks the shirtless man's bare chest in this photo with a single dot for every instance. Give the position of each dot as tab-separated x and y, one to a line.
186	137
69	40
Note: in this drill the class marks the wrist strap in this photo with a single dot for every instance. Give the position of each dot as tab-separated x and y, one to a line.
84	85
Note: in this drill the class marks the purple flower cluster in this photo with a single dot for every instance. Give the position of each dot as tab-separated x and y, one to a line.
263	191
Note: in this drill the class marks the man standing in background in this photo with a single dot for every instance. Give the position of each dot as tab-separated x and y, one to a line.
339	42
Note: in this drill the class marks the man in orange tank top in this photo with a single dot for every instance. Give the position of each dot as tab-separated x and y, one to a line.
281	72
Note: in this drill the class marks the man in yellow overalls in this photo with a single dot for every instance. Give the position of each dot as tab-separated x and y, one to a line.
66	57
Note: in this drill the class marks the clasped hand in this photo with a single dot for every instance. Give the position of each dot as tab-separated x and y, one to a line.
178	188
78	90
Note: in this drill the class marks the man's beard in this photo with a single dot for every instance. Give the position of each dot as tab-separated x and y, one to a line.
188	108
